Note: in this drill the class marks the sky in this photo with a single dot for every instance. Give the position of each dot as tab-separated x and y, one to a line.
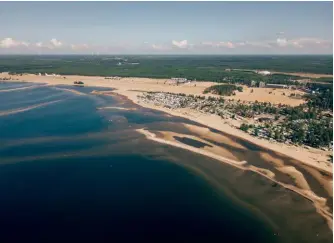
166	28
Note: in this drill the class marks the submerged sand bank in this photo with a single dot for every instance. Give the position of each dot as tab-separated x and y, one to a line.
217	153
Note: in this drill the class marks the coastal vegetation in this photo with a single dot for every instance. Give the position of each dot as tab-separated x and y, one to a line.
307	124
227	89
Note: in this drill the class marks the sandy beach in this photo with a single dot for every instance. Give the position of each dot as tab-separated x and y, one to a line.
132	87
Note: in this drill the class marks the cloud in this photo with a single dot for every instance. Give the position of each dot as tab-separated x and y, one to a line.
55	43
39	44
52	44
281	42
180	44
10	43
303	42
226	44
79	46
158	47
261	44
278	44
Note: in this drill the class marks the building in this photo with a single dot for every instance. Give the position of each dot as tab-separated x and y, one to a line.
278	86
264	72
253	83
262	84
179	80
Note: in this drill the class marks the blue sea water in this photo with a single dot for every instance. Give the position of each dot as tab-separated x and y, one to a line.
72	173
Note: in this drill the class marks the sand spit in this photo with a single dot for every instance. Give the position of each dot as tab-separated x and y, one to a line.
116	108
318	202
296	175
11	112
70	90
206	133
153	137
210	147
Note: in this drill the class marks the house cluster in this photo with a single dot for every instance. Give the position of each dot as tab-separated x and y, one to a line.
199	103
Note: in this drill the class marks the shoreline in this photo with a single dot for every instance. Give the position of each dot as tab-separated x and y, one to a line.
131	87
128	89
311	159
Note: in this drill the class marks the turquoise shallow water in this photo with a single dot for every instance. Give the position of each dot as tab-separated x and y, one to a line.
71	172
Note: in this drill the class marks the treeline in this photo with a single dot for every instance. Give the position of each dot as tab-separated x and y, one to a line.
223	89
321	97
324	80
315	133
206	68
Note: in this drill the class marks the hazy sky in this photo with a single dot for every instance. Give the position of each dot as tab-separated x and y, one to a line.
167	27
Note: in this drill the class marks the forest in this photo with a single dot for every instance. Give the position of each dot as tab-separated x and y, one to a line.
206	68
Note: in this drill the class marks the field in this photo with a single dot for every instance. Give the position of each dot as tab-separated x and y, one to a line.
274	96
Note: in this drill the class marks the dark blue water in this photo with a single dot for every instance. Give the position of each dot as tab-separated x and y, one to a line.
71	173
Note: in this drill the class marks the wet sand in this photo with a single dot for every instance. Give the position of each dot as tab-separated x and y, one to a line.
302	188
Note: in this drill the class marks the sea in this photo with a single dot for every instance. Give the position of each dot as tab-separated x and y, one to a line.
74	169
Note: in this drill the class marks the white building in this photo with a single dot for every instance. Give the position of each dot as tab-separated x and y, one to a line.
264	73
179	80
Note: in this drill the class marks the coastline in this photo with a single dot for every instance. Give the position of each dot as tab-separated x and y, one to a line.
130	88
